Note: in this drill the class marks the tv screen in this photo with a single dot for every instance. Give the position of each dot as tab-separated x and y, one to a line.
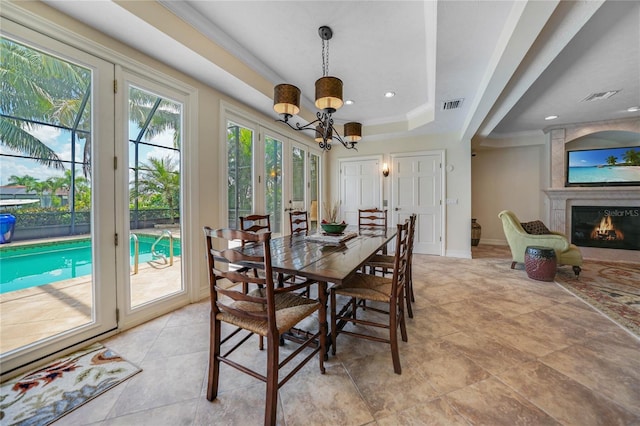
604	167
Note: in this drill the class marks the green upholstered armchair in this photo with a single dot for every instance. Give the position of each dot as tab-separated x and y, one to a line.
519	239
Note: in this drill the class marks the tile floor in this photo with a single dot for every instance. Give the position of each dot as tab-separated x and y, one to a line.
487	346
36	313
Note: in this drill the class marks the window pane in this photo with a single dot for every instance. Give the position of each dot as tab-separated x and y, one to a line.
314	189
154	185
45	152
273	182
240	172
299	178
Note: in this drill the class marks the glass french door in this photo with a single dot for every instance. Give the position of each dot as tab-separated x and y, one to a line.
302	188
153	245
273	169
269	174
255	185
314	191
58	269
240	172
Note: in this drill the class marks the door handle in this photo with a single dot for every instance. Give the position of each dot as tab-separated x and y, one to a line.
397	208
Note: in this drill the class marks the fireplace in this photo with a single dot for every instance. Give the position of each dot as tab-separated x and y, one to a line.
606	227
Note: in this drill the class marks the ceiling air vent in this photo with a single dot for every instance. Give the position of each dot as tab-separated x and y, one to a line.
599	96
452	104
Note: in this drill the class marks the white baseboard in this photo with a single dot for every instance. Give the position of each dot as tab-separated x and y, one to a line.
493	242
458	253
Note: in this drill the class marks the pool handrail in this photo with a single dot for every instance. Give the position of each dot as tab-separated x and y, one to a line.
153	247
136	250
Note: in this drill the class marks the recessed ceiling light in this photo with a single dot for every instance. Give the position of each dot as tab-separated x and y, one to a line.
634	109
389	94
348	102
551	117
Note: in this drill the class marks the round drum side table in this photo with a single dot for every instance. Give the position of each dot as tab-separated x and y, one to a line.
540	263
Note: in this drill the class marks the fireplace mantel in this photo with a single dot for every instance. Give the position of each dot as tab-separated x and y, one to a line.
562	199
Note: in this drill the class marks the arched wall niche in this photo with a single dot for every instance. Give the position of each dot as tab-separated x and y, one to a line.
588	135
604	139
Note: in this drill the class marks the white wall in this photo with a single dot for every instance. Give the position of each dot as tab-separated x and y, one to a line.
509	178
458	179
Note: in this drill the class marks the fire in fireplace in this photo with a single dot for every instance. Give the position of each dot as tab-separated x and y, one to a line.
606	227
606	231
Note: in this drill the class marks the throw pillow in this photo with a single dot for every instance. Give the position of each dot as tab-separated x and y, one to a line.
535	228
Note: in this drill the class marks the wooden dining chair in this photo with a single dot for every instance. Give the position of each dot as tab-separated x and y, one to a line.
299	221
267	311
384	264
372	219
256	223
373	288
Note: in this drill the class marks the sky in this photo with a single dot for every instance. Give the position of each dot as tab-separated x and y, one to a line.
58	140
590	158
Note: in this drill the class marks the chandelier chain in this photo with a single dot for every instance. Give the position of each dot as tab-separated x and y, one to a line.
325	58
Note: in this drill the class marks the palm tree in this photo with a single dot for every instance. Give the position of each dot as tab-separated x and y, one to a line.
612	160
166	114
632	157
159	177
57	183
38	89
40	188
27	181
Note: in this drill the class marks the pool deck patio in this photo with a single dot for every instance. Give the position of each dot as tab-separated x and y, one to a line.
35	313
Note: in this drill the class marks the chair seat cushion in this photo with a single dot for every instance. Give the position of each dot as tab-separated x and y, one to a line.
382	260
364	286
571	257
290	310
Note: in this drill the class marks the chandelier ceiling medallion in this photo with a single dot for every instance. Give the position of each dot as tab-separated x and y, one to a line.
286	101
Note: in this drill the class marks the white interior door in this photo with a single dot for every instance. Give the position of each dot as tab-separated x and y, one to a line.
360	187
417	188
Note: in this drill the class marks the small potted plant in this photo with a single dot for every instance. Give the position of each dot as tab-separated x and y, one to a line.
331	224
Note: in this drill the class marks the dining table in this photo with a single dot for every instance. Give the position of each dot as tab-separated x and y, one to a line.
324	262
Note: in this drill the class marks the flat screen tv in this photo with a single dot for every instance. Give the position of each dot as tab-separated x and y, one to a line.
604	167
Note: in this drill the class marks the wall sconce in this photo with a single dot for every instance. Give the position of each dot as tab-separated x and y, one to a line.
385	169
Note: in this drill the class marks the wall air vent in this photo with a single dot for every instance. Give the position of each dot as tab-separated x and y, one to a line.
599	96
451	104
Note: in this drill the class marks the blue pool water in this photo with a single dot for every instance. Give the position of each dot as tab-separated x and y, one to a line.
39	264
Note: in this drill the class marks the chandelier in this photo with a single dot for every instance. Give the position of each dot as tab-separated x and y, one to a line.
286	101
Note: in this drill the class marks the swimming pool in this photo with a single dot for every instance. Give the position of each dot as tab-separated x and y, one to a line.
45	263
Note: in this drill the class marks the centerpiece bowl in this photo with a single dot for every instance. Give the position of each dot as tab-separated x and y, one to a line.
333	228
